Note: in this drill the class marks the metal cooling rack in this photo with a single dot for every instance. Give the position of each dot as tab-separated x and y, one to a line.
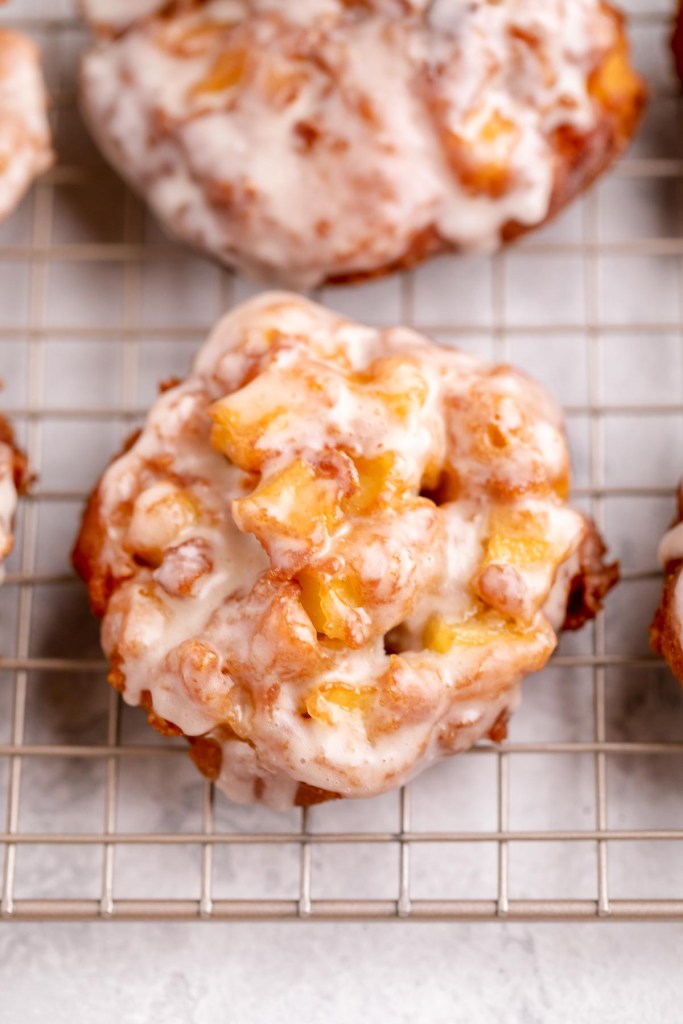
577	816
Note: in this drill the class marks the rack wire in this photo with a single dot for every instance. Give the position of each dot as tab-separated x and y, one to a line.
577	815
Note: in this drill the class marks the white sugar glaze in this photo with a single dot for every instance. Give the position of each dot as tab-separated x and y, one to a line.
671	546
349	133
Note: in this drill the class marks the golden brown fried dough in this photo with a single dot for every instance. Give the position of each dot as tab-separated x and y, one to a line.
333	553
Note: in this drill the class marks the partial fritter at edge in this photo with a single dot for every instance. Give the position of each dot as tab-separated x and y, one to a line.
333	140
677	40
666	632
14	477
25	143
333	553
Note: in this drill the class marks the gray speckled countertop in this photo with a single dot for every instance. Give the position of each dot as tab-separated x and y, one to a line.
341	974
209	973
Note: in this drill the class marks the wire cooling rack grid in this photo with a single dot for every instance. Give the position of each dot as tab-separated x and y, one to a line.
579	814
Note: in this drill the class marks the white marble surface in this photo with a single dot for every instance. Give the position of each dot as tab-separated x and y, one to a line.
194	973
377	974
